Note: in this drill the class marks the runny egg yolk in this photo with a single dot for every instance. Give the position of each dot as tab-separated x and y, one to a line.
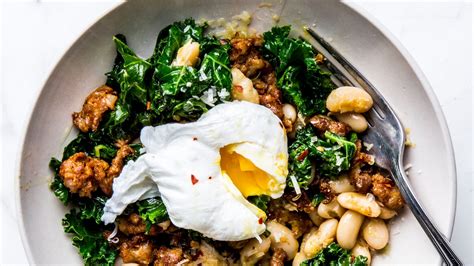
247	177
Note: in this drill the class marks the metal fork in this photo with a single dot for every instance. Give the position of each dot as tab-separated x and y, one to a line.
387	135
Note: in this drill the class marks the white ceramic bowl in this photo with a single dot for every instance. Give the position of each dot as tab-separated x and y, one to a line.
361	40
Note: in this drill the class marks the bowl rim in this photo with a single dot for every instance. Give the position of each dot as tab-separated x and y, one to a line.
353	6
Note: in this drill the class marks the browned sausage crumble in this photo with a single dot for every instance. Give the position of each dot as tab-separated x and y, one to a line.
286	213
278	258
96	104
137	249
385	191
83	174
117	163
168	256
323	123
366	178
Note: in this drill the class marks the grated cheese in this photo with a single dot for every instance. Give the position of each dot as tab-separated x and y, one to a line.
295	184
339	160
182	262
368	146
208	97
223	94
202	76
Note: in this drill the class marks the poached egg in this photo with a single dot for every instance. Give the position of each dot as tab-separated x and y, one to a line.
205	170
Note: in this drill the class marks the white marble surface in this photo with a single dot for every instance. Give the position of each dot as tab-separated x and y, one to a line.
35	34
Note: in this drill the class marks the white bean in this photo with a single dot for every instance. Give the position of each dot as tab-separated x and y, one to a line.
359	203
187	55
253	251
314	216
348	229
282	237
356	121
341	184
311	232
299	258
375	233
386	213
331	210
242	87
361	249
289	112
349	99
321	238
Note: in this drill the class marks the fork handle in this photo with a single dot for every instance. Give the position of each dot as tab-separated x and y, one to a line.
440	242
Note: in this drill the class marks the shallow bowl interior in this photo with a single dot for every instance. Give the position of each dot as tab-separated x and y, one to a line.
358	38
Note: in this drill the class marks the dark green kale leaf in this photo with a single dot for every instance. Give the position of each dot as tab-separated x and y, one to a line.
317	198
80	144
333	153
167	45
215	69
330	153
301	79
97	144
176	80
184	92
334	255
190	109
132	76
105	151
88	238
171	38
152	211
57	185
260	201
299	162
134	79
172	99
92	208
112	76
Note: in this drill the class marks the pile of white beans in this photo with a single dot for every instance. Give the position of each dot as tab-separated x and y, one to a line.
347	104
355	221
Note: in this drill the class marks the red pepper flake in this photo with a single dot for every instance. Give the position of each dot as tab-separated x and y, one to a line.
194	180
260	220
303	155
194	138
238	88
210	177
148	105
